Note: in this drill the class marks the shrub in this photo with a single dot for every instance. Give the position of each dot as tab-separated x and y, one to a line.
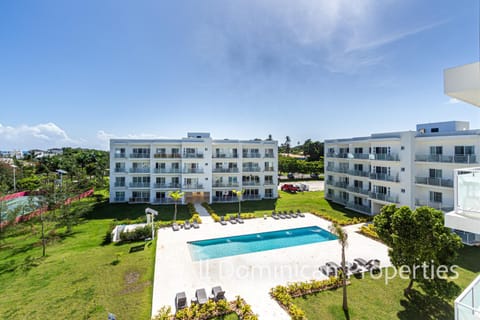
137	234
369	231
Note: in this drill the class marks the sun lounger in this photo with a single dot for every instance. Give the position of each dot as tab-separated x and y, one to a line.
362	262
282	216
218	293
373	262
201	296
293	215
187	225
328	271
332	264
233	220
275	216
222	221
239	219
175	227
352	267
195	225
180	301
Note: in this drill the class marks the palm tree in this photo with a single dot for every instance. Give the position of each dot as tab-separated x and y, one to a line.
342	239
239	194
176	196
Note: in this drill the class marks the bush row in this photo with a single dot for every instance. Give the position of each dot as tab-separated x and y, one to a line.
217	218
137	234
369	231
342	222
209	310
194	213
284	294
212	212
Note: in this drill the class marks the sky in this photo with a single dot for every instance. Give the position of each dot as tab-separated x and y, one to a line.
77	73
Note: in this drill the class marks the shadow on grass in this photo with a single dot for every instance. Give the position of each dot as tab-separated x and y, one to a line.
423	306
469	258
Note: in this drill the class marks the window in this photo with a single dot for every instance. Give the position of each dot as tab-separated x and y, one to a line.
435	196
436	150
119	196
403	190
268	193
435	173
382	150
119	181
464	150
358	184
357	200
358	167
434	130
402	169
331	150
358	150
402	148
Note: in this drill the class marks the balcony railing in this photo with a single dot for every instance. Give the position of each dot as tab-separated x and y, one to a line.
192	170
193	186
469	158
167	155
358	190
119	184
268	183
384	177
362	156
439	205
139	185
225	155
165	170
337	199
251	155
119	199
339	184
269	169
269	155
163	201
120	155
339	170
251	169
384	156
226	185
140	155
193	155
358	207
225	170
167	185
383	197
225	199
435	181
138	200
120	170
329	183
139	170
250	183
359	173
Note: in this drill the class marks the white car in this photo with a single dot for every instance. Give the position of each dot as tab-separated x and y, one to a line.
302	186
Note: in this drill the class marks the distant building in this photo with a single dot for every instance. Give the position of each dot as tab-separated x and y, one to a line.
145	171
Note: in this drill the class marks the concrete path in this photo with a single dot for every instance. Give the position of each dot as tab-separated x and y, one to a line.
204	215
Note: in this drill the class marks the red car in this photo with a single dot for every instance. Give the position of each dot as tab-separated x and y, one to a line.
289	188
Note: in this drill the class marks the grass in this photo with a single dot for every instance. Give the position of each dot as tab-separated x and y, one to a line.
373	299
312	201
80	278
231	316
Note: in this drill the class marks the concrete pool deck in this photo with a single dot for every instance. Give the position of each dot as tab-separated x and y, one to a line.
249	275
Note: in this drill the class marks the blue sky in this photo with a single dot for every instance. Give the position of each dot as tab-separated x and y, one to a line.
80	72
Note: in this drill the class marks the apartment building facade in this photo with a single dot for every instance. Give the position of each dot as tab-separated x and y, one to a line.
410	168
145	171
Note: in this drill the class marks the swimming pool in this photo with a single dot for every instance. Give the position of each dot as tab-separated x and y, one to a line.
248	243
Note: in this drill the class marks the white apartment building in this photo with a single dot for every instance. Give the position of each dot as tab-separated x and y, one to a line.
145	171
411	168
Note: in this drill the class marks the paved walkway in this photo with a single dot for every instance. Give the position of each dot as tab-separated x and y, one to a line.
204	215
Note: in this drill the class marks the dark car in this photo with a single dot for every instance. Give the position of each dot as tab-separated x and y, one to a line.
290	175
314	175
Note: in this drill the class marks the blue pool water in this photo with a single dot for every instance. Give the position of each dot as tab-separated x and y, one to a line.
248	243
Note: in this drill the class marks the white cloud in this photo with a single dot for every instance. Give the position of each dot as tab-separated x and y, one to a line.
453	101
41	136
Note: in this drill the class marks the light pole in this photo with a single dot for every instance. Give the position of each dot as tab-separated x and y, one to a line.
14	179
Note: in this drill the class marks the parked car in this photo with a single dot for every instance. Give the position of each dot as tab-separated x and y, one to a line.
289	188
290	175
301	187
314	175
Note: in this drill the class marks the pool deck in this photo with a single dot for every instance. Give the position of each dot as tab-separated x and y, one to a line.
249	275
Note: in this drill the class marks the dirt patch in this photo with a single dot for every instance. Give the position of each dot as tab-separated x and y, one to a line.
131	283
131	277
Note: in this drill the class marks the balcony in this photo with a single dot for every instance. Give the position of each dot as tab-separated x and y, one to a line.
139	170
384	177
140	155
439	205
340	184
118	170
268	183
337	199
269	169
269	155
165	170
119	184
167	155
192	170
193	155
384	157
337	155
193	186
358	207
359	173
466	159
383	197
462	83
225	170
119	155
251	155
167	185
467	305
329	183
225	155
338	170
250	183
163	201
448	183
358	190
138	200
361	156
139	184
251	169
226	185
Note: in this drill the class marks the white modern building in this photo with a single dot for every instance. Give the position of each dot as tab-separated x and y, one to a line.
411	168
145	171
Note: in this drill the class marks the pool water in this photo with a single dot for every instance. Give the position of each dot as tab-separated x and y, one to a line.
231	246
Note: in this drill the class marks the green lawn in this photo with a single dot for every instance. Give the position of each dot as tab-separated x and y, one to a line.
373	299
312	201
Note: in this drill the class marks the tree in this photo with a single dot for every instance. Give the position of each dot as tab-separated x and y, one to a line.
239	194
313	150
418	241
176	196
337	230
287	144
